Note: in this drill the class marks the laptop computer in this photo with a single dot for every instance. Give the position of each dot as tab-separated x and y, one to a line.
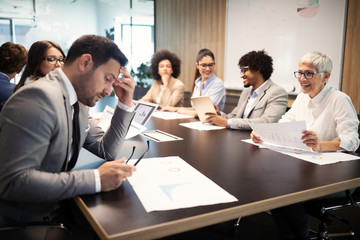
143	112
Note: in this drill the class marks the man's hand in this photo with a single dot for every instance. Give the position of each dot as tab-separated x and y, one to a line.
124	87
114	173
216	120
217	109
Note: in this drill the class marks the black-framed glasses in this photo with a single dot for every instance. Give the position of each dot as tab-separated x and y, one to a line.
133	150
244	69
307	75
54	60
204	65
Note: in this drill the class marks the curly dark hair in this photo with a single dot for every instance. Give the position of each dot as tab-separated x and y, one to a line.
161	55
258	60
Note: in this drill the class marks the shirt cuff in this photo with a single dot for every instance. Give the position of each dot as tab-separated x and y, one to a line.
124	107
97	181
229	123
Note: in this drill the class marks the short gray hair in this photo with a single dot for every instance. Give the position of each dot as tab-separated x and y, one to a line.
320	61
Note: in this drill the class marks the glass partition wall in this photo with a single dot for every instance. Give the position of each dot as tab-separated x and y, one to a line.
130	23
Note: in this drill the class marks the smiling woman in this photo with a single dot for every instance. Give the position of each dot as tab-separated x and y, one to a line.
43	57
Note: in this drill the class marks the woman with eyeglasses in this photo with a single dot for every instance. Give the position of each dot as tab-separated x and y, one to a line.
43	57
332	124
206	83
166	90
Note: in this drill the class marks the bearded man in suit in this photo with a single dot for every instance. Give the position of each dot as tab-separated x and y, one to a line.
262	101
36	133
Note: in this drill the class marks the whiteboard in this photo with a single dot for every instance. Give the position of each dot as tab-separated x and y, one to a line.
286	35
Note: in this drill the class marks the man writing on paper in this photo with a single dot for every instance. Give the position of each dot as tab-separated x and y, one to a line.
37	145
262	101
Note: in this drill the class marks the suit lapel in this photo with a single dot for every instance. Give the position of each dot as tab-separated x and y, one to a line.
242	103
56	77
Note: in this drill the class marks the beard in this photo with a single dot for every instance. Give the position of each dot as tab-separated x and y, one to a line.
82	86
247	85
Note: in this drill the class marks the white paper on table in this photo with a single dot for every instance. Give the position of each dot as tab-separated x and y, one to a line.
170	115
170	183
201	126
160	136
313	157
281	134
105	121
105	118
135	129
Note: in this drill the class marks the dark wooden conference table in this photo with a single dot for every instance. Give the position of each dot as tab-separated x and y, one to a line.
260	179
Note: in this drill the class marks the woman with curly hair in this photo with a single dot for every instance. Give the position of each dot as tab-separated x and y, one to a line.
43	57
166	90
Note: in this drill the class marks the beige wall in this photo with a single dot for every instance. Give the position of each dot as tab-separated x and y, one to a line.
186	26
351	72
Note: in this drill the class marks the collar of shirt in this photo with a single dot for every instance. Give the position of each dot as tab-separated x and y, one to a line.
206	82
69	87
6	76
255	93
320	96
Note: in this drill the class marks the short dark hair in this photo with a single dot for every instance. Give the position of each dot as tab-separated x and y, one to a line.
258	61
162	55
100	48
13	57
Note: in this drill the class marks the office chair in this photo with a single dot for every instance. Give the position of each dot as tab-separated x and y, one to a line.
323	210
36	231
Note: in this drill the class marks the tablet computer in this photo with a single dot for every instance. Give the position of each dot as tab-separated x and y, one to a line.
143	112
203	105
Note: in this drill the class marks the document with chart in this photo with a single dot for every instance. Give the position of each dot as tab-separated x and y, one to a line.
170	183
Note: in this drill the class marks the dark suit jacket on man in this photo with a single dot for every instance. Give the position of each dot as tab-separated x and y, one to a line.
6	88
35	141
269	106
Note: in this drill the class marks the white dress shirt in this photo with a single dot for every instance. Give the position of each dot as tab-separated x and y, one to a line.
330	114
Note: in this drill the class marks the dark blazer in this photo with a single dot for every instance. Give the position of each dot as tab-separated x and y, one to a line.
270	105
35	141
6	88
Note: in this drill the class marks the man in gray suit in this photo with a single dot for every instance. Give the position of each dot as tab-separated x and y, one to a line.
36	133
262	101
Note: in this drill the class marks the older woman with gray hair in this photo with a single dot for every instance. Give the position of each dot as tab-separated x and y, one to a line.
332	124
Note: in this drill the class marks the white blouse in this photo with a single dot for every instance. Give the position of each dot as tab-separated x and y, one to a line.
330	114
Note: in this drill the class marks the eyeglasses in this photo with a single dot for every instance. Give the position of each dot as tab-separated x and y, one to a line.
204	65
244	69
132	153
307	75
54	60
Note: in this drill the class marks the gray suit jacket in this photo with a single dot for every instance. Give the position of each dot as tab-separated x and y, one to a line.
35	141
269	106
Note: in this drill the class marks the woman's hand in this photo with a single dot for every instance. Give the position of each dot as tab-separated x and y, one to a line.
255	138
311	139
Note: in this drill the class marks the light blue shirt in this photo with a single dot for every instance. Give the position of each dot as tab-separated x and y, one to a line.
212	87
